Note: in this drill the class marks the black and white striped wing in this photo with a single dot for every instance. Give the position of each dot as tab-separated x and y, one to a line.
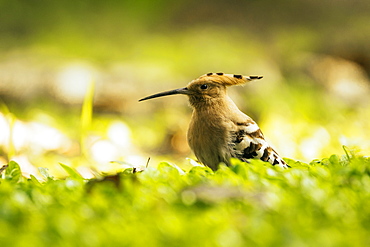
249	143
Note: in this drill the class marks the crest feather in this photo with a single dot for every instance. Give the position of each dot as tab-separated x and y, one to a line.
227	79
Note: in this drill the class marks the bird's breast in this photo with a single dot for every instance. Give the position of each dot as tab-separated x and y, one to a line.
208	137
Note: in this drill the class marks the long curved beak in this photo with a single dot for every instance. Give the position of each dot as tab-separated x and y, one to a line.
171	92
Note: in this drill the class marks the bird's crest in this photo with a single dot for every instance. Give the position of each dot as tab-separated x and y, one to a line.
227	79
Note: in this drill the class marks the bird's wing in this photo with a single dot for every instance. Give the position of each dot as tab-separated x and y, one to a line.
248	143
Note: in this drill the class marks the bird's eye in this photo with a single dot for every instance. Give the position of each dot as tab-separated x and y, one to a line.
204	86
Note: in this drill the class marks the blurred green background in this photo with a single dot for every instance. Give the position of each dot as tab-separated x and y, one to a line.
314	56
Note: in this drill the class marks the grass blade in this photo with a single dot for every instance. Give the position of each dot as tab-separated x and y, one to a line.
86	116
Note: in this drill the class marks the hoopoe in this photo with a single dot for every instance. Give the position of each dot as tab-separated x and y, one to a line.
218	130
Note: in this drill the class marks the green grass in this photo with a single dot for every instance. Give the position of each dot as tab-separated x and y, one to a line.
324	203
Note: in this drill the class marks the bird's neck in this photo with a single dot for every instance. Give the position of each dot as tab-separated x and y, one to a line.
215	106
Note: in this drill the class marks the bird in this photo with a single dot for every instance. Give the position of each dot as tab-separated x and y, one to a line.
218	130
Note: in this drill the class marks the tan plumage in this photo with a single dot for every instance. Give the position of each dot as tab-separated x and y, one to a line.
218	130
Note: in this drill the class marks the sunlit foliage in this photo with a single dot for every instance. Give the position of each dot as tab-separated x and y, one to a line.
324	203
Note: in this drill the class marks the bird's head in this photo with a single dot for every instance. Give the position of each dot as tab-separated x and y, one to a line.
207	88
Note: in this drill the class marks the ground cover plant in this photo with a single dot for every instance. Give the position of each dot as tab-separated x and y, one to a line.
324	203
